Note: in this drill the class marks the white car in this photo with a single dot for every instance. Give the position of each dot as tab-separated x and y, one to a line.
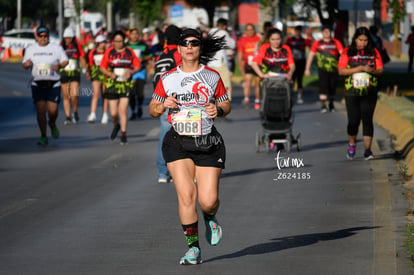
17	40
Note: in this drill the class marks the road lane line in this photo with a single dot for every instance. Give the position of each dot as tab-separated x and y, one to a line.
16	207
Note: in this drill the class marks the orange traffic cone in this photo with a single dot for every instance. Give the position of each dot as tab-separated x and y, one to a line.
6	54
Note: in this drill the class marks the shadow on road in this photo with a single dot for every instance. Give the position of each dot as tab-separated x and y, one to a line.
288	242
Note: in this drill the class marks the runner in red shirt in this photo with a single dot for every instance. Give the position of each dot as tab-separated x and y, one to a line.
246	47
70	75
327	51
361	65
119	64
274	57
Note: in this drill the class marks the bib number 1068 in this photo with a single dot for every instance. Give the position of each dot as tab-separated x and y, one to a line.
187	127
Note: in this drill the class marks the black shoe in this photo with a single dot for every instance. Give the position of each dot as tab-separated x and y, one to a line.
133	116
75	117
115	131
139	112
331	107
124	140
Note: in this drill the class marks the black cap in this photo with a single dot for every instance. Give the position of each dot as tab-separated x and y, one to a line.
190	33
172	33
299	28
42	29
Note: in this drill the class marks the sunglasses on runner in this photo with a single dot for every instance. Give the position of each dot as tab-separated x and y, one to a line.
193	43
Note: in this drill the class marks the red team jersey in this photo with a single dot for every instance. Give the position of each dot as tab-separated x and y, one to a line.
362	85
277	62
126	59
298	46
74	52
327	54
248	45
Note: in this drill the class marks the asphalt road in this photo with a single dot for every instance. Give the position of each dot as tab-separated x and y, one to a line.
86	205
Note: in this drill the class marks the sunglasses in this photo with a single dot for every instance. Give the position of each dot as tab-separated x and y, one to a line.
43	35
193	43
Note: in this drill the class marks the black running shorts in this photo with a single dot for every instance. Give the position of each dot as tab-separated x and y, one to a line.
49	94
172	151
65	77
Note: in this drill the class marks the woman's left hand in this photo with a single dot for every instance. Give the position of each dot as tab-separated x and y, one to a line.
369	69
211	110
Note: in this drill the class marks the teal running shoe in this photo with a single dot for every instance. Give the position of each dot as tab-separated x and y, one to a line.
42	141
213	231
192	256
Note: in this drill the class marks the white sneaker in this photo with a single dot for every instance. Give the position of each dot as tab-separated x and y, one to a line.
104	119
91	118
299	101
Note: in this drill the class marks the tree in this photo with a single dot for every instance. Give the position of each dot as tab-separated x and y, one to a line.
148	11
329	7
398	13
272	6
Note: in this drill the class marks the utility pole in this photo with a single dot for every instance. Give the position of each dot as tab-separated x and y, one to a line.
109	15
19	14
60	21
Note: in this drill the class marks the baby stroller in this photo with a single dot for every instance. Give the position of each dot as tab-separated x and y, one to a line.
276	115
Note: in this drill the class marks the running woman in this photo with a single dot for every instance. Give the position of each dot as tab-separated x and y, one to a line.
193	149
246	47
142	51
327	51
70	75
45	59
98	79
118	64
298	46
361	65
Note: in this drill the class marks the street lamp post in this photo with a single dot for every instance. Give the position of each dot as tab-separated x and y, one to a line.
19	14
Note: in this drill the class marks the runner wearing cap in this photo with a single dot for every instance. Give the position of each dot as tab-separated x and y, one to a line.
70	75
194	96
98	79
45	59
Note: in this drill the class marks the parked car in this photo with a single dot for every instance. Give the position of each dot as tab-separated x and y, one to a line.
19	40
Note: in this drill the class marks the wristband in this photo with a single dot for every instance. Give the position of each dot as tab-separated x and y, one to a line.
220	112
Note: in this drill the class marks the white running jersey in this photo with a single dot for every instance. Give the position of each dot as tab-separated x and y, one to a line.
43	58
194	90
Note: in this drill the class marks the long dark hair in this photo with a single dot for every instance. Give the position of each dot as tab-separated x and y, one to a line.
369	49
74	42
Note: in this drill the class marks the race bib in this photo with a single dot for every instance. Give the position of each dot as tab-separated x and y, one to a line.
360	80
72	65
137	52
250	60
187	122
120	73
43	70
97	58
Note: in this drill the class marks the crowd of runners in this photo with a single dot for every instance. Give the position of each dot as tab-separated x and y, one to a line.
190	71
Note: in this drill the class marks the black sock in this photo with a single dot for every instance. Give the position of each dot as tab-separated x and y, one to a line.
191	234
208	217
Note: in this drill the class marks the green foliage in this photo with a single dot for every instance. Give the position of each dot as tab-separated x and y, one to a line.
148	11
398	10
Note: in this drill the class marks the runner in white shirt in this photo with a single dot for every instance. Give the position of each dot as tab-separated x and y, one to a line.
194	95
45	59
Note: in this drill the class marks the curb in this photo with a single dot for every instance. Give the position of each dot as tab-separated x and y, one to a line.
400	124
